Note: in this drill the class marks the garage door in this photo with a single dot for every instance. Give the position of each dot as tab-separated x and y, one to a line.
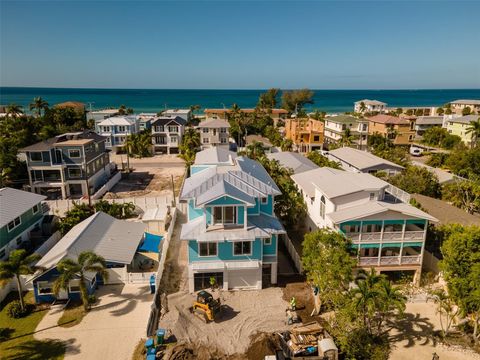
202	280
244	279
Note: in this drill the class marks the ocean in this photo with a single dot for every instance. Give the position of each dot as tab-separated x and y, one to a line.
150	100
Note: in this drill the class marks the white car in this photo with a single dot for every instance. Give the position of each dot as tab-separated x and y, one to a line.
415	151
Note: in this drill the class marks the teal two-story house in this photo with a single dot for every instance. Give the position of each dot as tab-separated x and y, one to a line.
232	231
21	212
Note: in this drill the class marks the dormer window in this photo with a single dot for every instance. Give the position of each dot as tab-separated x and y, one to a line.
264	200
224	215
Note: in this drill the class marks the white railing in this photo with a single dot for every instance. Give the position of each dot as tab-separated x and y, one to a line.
390	260
139	278
415	259
414	235
398	235
387	236
109	185
368	261
399	194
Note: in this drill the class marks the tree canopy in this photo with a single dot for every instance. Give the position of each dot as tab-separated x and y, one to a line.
416	179
295	100
321	160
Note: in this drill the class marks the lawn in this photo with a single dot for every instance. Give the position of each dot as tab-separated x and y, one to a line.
72	315
17	342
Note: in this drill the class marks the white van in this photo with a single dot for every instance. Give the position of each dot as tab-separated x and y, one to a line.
415	151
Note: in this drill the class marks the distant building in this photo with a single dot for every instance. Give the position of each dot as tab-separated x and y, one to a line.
99	115
145	120
275	114
267	145
214	132
459	125
291	160
360	161
116	129
68	165
368	106
185	114
423	123
21	212
458	105
335	127
167	133
306	133
399	130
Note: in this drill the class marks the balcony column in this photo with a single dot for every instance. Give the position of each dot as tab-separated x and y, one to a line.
381	231
245	219
403	229
360	232
65	193
380	253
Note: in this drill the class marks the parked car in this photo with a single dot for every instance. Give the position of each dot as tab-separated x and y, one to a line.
415	151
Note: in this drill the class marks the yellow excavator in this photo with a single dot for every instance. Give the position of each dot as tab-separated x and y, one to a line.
206	306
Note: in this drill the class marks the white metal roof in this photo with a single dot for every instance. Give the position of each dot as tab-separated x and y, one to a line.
292	160
359	159
14	203
370	102
158	213
213	123
466	102
215	155
117	120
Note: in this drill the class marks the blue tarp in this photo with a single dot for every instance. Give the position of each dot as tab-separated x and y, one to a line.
151	243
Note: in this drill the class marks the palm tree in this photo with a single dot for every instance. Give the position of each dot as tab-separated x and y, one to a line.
190	145
287	145
363	107
14	110
38	104
87	262
474	130
18	263
255	150
365	295
347	137
390	300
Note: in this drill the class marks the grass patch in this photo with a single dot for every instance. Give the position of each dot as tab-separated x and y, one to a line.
16	335
139	352
72	315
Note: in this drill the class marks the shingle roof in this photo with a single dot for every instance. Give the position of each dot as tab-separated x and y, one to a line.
295	161
14	203
165	120
214	123
334	183
215	155
59	139
388	119
115	240
359	159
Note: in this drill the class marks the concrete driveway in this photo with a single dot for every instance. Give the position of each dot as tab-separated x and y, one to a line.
110	330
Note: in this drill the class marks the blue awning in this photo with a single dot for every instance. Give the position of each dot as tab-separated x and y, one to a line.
151	243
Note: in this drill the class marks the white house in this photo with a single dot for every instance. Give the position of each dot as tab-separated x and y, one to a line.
185	114
386	233
116	129
366	105
167	134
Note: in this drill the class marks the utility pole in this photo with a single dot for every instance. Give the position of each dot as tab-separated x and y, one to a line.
173	191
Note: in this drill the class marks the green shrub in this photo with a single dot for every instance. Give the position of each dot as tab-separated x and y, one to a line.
92	299
14	310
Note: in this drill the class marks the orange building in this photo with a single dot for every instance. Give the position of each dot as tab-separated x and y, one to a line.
400	131
306	134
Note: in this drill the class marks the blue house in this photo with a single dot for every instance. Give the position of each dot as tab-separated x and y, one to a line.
232	231
115	240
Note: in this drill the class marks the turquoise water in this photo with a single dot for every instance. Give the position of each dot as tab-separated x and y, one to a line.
148	100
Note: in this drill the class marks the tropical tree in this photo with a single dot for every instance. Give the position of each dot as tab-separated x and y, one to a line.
446	309
363	107
464	194
295	100
255	150
286	145
87	262
139	145
14	110
74	216
440	111
347	137
321	160
474	130
268	100
466	111
416	179
190	145
194	108
18	263
38	105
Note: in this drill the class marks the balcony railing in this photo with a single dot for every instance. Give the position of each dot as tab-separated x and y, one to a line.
387	236
390	260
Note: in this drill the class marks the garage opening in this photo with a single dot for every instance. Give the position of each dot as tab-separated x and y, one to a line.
266	275
244	279
202	280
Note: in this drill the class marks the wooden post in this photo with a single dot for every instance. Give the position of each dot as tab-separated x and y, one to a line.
173	191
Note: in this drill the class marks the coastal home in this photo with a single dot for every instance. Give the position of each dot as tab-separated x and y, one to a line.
457	106
335	127
68	165
116	129
459	125
291	160
306	133
399	131
99	115
416	110
167	133
360	161
145	120
387	234
232	231
214	132
275	114
21	212
423	123
213	157
368	106
266	144
117	241
185	114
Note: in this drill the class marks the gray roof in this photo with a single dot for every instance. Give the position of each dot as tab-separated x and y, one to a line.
115	240
59	139
214	155
334	183
443	176
429	120
370	102
213	123
295	161
14	203
165	120
259	226
466	102
464	119
359	159
375	208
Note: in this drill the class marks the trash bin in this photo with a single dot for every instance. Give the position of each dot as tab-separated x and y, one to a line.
151	357
160	336
149	344
152	284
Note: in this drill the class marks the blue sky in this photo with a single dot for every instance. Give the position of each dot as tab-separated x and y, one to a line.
240	44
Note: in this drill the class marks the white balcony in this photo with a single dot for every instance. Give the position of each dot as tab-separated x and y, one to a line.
390	260
387	236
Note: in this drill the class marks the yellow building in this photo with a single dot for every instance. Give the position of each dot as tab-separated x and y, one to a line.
458	126
400	131
306	134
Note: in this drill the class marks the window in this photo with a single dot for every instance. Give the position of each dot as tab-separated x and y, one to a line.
206	140
224	215
264	200
242	248
205	130
159	128
223	140
121	128
316	138
74	173
207	249
35	209
106	128
223	130
74	153
74	286
267	241
173	129
372	196
322	207
18	241
174	139
35	156
44	288
2	253
14	223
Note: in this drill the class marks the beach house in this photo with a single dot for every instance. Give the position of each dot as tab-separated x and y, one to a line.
275	114
423	123
368	106
457	106
116	129
68	165
306	133
232	231
214	132
294	161
167	133
399	130
21	212
459	125
185	114
335	127
387	233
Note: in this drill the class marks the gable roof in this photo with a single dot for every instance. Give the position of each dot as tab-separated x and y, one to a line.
215	155
14	203
334	183
295	161
165	120
65	139
359	159
370	102
388	119
118	120
429	120
213	123
115	240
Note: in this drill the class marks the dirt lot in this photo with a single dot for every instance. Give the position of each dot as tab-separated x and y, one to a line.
150	176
